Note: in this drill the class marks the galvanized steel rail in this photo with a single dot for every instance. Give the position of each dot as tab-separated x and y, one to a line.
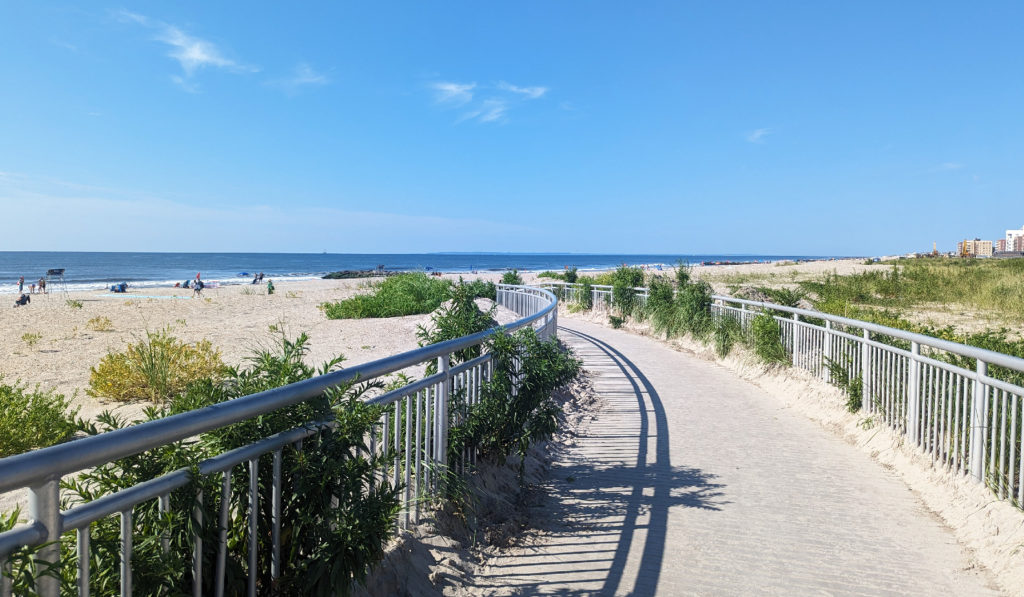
965	420
419	454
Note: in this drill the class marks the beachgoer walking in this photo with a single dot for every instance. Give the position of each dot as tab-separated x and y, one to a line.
42	285
21	284
197	288
255	278
261	276
270	287
32	288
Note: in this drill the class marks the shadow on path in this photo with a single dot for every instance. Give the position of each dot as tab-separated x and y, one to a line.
603	531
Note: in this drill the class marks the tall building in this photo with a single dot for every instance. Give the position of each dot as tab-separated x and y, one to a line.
974	248
1015	240
1000	245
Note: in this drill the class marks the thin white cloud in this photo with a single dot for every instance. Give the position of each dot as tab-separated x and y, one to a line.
192	53
528	92
950	166
490	110
456	93
498	99
302	76
758	135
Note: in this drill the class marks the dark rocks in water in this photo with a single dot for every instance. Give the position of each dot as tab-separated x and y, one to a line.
347	274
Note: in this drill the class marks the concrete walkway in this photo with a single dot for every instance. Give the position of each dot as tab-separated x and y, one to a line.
694	482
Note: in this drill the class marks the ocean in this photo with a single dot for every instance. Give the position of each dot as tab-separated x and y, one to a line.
87	271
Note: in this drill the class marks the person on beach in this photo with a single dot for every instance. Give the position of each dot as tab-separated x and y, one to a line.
42	285
23	300
270	287
21	284
197	288
32	288
255	278
261	276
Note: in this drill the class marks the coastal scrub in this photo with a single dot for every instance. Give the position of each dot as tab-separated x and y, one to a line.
403	294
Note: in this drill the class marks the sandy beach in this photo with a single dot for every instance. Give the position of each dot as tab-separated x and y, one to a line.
237	319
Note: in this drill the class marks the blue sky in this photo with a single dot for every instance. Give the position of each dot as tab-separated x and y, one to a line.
640	127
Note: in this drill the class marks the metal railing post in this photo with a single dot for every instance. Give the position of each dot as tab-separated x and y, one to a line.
441	455
865	373
914	394
794	337
828	351
979	423
44	509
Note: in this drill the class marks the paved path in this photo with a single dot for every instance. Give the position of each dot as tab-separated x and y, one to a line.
694	482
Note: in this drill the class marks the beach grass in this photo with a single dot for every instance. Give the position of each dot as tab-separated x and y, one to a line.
404	294
994	286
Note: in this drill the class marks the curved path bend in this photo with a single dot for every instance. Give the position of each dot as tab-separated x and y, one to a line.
691	481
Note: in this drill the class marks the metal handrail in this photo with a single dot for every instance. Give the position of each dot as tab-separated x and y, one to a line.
39	465
41	470
983	354
965	420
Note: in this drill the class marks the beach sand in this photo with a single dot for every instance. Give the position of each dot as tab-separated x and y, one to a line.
237	319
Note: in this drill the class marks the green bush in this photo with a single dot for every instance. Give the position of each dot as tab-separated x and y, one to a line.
625	279
512	277
456	318
726	331
156	369
571	275
616	321
585	294
36	419
551	274
336	514
482	289
506	421
403	294
766	337
693	305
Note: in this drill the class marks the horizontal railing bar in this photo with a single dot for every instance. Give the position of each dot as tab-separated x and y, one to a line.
113	503
469	364
29	534
404	391
27	469
110	504
988	356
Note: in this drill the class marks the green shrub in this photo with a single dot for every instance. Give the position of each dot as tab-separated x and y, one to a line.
506	421
585	293
73	304
683	274
571	275
783	296
693	305
726	331
482	289
402	294
156	368
551	274
336	514
766	337
616	321
625	279
456	318
512	277
36	419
